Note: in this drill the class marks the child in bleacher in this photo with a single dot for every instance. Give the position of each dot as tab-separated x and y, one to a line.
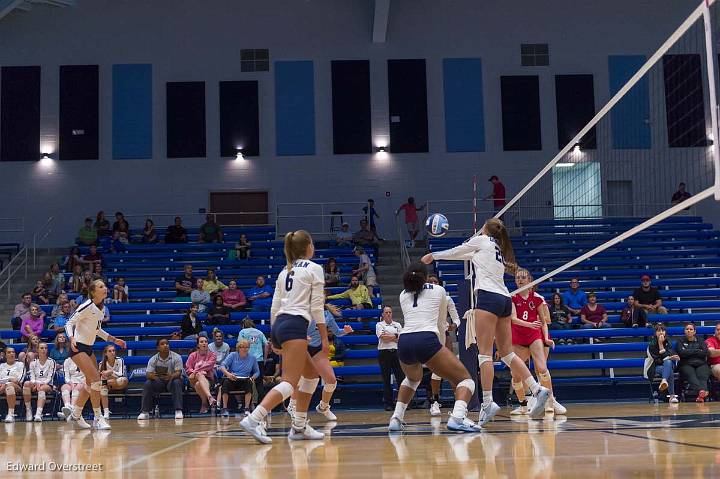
242	248
121	293
39	293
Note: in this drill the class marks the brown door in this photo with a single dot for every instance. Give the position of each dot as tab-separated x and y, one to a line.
234	208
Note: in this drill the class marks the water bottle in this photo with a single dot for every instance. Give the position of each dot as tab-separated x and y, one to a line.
157	410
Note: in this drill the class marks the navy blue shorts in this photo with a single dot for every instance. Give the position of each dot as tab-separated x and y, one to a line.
313	350
414	348
288	327
497	304
82	348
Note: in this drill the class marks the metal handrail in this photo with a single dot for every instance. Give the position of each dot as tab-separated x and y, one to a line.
171	216
22	259
404	255
39	236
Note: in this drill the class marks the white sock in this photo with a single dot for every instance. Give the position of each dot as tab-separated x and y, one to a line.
299	420
532	384
39	411
11	411
487	398
66	397
324	405
28	407
400	408
259	414
460	409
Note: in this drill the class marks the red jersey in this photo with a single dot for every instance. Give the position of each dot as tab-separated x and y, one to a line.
713	342
527	310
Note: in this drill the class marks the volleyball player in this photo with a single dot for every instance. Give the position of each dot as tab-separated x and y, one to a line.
322	362
42	371
421	342
450	327
12	372
491	254
82	329
298	299
112	375
74	383
530	317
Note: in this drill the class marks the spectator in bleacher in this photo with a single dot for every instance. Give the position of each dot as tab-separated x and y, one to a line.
120	291
11	376
52	290
240	369
176	233
411	218
113	376
560	317
363	236
120	236
693	366
73	260
344	237
39	293
21	310
498	194
102	225
219	346
42	372
713	344
200	297
191	327
365	271
357	294
370	215
218	314
259	347
242	247
184	284
332	273
337	350
212	284
593	315
680	195
59	322
632	315
574	298
87	235
93	257
149	234
164	373
33	322
61	299
648	297
2	352
660	361
121	224
98	274
74	382
233	297
200	369
61	350
87	278
57	276
31	351
210	231
260	296
388	333
75	283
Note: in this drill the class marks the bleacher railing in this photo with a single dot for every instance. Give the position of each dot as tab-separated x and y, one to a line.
404	255
18	263
38	237
322	220
194	220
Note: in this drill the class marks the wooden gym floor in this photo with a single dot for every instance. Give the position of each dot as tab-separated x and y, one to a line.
617	440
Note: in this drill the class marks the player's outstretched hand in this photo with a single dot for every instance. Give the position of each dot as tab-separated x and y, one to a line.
427	259
121	343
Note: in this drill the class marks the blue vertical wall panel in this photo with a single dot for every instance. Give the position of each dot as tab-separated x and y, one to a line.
294	108
630	118
464	118
132	112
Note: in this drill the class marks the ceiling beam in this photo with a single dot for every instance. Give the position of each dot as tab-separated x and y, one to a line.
7	6
380	20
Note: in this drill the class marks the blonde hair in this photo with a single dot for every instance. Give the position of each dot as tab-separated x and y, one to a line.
296	245
520	270
495	229
92	286
242	342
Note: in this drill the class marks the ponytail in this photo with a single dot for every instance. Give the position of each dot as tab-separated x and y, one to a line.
296	245
496	230
415	277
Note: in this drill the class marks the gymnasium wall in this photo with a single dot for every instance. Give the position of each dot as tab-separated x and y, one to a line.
140	46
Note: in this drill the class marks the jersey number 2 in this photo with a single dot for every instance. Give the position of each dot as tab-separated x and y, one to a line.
289	281
498	255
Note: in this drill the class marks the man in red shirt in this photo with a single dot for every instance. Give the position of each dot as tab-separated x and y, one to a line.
498	194
713	344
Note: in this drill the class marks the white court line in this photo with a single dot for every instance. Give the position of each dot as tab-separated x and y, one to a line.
156	453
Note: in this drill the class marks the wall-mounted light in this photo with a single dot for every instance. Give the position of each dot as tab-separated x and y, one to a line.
564	165
576	148
45	159
239	155
381	151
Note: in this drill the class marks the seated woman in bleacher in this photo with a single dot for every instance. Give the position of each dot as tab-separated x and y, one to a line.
693	366
200	297
200	369
593	315
113	375
74	383
191	327
149	234
120	292
633	316
240	370
560	316
212	284
233	297
75	283
218	314
102	225
61	299
242	247
33	323
332	273
661	361
61	349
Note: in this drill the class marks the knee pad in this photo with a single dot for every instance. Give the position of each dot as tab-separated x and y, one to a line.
410	384
544	376
483	358
285	389
41	395
308	386
467	384
96	386
10	390
518	386
104	391
329	387
508	359
435	377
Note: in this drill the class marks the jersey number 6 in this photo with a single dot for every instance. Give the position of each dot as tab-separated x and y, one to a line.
289	281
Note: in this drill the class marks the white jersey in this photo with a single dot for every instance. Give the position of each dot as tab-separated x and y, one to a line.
16	372
425	311
487	262
42	373
118	368
72	372
86	324
300	292
452	312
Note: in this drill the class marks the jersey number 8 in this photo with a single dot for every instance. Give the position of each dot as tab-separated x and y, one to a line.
289	281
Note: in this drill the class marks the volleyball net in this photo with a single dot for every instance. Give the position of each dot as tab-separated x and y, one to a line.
658	129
